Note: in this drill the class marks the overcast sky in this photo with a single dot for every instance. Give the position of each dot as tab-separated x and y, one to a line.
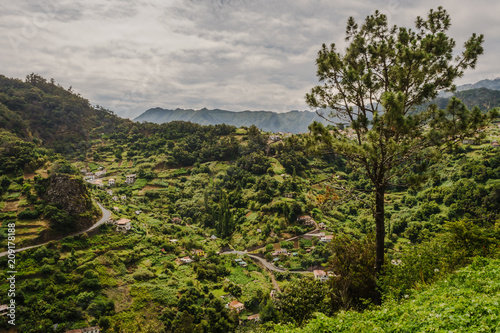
129	56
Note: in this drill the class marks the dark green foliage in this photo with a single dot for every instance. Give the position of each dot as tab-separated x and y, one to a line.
301	299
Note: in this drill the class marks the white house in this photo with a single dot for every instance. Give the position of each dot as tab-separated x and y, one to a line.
111	182
320	274
326	239
123	224
130	179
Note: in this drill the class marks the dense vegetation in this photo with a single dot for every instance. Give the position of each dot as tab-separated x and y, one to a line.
247	191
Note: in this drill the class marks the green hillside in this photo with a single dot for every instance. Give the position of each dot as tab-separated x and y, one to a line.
196	191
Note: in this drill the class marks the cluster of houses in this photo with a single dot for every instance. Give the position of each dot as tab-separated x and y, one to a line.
122	224
187	259
94	178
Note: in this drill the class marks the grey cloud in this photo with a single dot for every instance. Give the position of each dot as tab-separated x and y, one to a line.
235	54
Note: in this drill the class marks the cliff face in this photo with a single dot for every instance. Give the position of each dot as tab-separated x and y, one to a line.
70	194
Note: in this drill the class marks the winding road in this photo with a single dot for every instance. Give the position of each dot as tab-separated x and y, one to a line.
264	262
105	216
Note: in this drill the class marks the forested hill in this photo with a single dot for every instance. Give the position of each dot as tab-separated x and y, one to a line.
483	98
293	121
40	110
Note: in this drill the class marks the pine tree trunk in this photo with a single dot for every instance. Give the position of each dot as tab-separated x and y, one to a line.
380	234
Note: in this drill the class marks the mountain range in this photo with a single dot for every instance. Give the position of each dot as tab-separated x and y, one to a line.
292	121
485	94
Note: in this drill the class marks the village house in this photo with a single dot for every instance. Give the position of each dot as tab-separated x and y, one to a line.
123	225
254	317
123	197
274	137
186	260
100	174
109	192
137	212
326	239
130	179
235	305
111	182
84	171
468	142
241	262
494	143
320	274
97	182
288	195
93	329
115	198
116	209
305	220
280	251
199	253
322	225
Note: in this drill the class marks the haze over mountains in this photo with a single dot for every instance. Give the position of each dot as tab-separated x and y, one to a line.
292	121
485	94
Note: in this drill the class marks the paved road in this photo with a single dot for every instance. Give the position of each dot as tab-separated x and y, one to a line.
264	262
105	215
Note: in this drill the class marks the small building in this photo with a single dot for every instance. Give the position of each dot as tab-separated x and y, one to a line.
242	263
111	182
123	224
468	142
84	171
100	174
130	179
97	182
494	143
199	253
320	274
288	195
137	212
280	251
115	198
93	329
254	317
321	225
186	260
173	241
305	220
123	197
326	239
213	237
274	137
235	305
109	192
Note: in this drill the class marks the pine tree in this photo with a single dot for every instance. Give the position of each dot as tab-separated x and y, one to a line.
374	86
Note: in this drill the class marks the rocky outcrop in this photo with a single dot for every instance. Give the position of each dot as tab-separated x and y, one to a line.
71	195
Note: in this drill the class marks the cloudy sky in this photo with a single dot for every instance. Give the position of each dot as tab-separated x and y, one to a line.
236	55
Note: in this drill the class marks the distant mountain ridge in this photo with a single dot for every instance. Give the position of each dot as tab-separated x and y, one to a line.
489	84
292	121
